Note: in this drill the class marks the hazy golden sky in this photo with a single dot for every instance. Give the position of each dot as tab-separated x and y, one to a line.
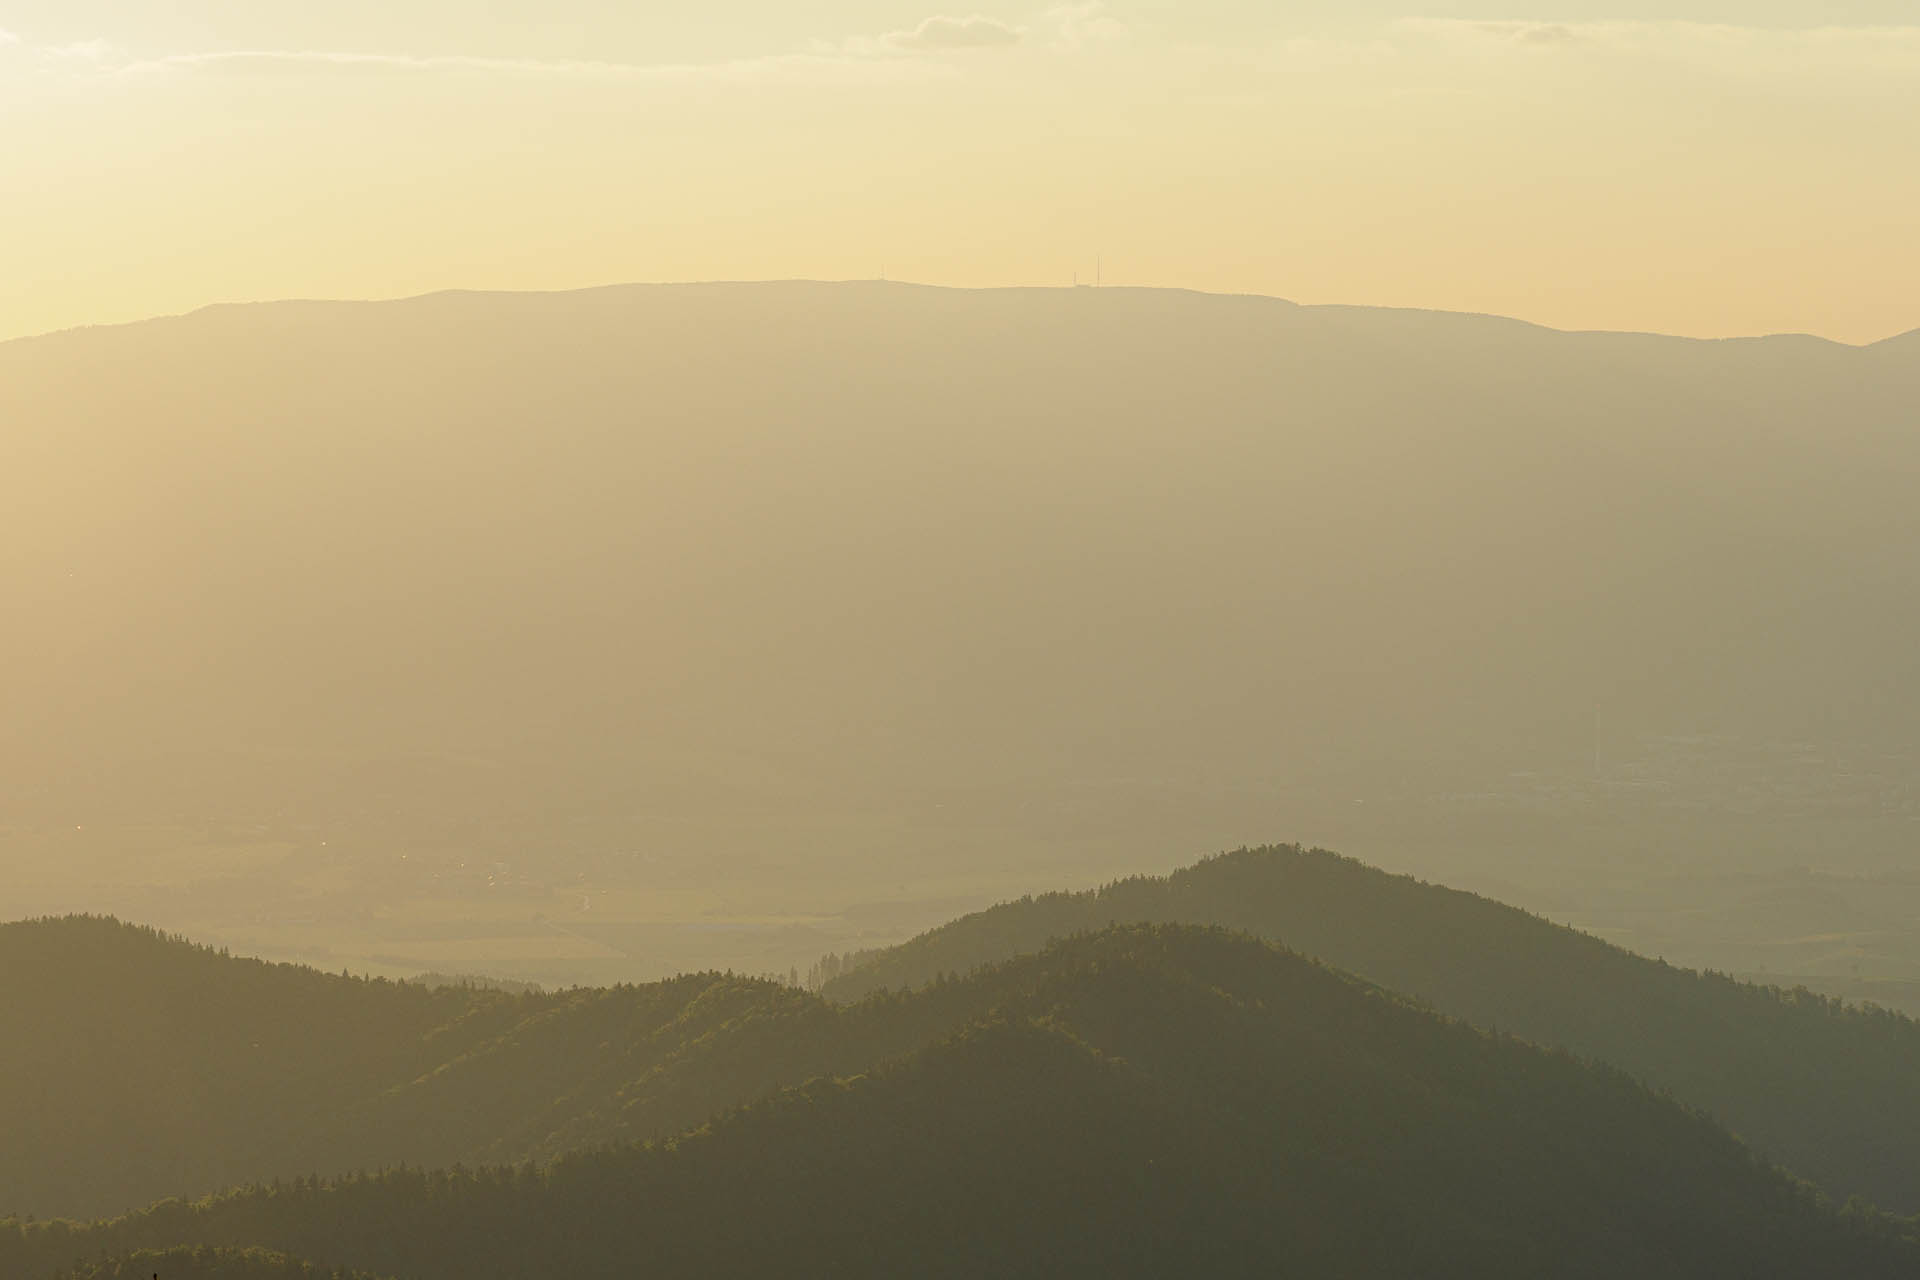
1694	166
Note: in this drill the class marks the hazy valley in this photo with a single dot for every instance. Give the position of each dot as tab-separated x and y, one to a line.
592	637
779	768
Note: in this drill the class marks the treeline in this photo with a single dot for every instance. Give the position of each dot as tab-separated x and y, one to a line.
136	1066
832	966
1827	1089
1146	1101
203	1263
478	982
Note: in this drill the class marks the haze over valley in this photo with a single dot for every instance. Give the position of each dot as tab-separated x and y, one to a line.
589	637
1107	638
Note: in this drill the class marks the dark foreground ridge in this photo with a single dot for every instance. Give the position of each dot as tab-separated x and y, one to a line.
1828	1090
139	1067
1145	1101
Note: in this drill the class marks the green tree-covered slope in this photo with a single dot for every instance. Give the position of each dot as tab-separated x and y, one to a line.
1146	1101
1831	1092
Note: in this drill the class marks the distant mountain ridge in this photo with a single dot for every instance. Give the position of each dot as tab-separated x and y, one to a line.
434	571
1148	1101
1828	1090
1911	338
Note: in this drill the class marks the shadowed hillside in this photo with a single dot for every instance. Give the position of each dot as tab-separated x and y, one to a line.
1149	1101
137	1066
134	1065
140	1067
1828	1090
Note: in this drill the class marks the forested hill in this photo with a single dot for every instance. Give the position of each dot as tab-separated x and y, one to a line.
135	1066
1150	1101
207	1264
1830	1091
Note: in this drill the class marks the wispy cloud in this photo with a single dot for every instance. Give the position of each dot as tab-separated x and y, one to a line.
1534	33
1084	23
797	67
887	55
941	34
331	60
938	46
1800	60
79	53
1061	28
1676	36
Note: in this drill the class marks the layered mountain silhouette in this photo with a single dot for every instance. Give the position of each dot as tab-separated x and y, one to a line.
144	1067
1145	1101
762	577
1825	1088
